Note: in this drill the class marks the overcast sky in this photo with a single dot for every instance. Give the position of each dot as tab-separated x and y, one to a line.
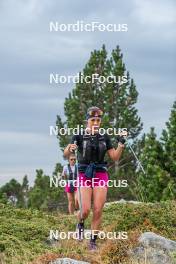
29	53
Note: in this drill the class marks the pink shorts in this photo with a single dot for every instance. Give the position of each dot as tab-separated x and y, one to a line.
68	188
100	180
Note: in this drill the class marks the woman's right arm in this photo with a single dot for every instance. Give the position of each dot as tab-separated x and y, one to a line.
69	149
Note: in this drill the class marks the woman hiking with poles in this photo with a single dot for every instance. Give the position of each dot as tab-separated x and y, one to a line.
69	173
90	149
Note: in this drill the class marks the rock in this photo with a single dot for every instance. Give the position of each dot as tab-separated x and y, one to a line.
150	239
122	201
151	256
154	249
134	202
68	261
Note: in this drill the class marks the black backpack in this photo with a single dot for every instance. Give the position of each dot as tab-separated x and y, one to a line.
72	176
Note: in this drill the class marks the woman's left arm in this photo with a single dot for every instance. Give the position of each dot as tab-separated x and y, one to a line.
115	154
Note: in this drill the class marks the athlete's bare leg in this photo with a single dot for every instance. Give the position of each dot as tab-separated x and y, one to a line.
99	199
71	203
86	195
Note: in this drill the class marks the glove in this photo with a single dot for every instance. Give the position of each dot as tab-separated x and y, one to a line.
121	139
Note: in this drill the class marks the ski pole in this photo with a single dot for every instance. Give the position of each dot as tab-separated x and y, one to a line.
138	161
79	190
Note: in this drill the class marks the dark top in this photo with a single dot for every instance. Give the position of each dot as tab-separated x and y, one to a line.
99	146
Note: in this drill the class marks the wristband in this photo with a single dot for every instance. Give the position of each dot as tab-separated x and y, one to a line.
121	139
121	145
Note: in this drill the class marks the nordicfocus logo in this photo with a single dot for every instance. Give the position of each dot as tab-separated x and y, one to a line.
81	26
57	181
80	78
56	235
80	130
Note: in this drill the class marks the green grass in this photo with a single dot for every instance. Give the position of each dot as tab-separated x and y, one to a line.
23	232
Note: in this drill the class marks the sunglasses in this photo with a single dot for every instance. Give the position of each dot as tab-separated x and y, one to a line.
95	112
73	159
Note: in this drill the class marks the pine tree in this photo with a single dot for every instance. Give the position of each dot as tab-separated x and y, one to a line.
25	184
3	197
169	144
12	190
58	169
38	193
25	191
116	100
41	195
152	185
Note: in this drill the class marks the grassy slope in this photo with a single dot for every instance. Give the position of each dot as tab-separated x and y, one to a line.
23	232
